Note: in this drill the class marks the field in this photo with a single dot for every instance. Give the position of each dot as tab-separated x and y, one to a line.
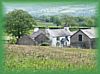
48	58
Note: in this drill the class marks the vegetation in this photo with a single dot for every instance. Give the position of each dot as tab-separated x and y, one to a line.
72	21
48	58
18	23
45	44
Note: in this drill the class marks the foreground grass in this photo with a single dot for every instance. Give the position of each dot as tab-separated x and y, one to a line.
48	58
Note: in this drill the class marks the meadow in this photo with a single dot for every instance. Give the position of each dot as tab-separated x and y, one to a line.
20	57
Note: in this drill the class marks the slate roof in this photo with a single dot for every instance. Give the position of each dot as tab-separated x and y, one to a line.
35	34
27	36
58	32
91	33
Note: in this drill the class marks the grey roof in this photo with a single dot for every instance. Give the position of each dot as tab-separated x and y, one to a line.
27	36
91	33
35	34
58	32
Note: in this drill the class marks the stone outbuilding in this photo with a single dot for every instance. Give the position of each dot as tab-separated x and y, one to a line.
84	38
26	40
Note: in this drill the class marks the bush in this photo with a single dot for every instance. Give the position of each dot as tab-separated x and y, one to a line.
12	41
44	44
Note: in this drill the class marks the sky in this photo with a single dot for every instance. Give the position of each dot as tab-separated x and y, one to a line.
54	9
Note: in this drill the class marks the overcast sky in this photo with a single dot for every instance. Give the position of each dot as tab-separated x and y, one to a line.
54	9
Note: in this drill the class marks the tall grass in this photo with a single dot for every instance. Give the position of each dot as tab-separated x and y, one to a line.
48	58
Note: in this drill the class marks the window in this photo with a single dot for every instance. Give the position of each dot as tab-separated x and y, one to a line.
80	37
67	38
58	38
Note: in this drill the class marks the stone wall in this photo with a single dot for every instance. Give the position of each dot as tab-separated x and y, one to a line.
85	43
26	40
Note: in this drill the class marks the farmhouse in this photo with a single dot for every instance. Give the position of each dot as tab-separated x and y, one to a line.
84	38
59	37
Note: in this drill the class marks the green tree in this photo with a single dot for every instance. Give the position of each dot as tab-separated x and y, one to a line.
52	18
70	21
18	23
90	22
57	21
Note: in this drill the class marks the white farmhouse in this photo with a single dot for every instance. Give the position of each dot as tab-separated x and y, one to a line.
59	37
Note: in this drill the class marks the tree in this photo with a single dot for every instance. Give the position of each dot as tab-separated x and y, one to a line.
52	18
18	23
70	21
90	22
57	21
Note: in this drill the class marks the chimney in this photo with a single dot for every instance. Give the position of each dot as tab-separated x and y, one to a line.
36	29
66	27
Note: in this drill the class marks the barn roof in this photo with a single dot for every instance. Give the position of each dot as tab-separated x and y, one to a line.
26	36
58	32
35	34
91	33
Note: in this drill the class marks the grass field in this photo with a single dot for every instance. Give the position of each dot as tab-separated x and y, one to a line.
48	58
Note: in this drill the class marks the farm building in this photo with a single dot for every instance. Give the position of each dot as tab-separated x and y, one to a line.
37	38
40	37
84	38
26	40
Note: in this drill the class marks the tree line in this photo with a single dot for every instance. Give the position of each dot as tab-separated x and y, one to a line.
61	20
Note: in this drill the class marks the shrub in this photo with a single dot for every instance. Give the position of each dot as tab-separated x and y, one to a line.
45	44
12	41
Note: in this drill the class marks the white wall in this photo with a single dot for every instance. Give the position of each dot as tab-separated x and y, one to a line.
54	41
68	42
